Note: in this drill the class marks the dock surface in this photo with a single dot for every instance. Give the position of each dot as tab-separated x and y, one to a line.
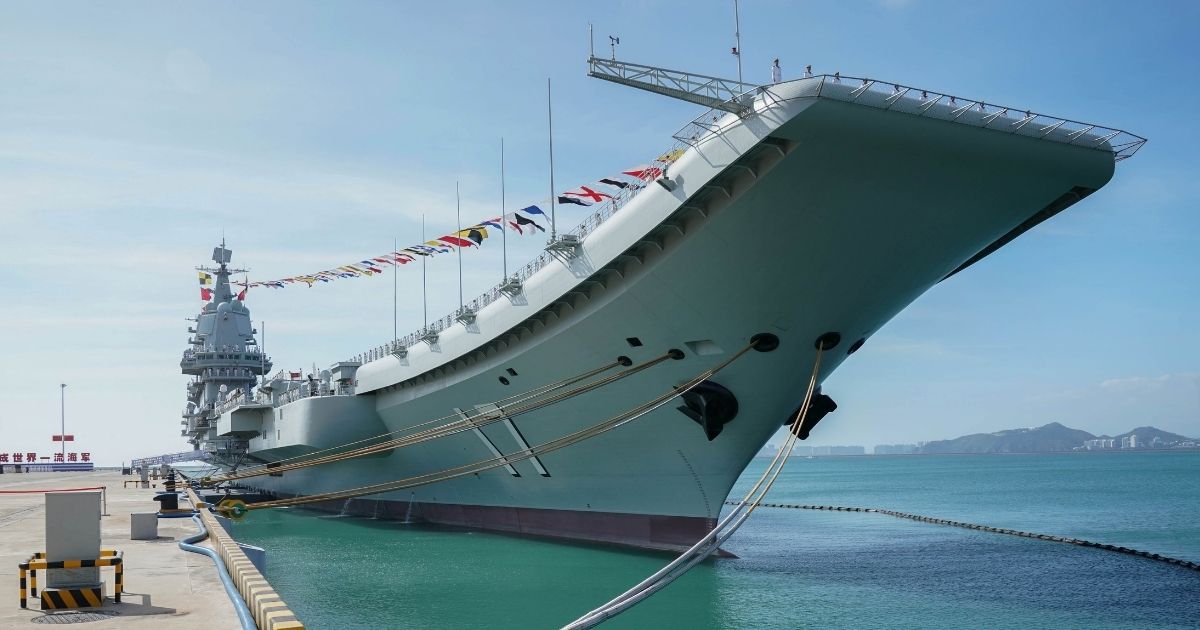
165	586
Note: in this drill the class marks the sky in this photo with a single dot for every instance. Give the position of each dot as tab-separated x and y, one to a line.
135	135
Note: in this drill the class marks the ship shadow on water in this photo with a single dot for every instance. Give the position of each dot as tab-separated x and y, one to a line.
414	574
796	568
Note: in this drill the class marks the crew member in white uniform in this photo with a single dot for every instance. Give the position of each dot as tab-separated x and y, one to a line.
776	72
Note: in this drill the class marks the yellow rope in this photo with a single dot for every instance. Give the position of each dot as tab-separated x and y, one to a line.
713	540
521	397
502	460
451	428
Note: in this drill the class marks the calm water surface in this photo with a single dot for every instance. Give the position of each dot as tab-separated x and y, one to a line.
797	569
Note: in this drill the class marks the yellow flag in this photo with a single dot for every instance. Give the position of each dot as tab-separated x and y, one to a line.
670	156
467	232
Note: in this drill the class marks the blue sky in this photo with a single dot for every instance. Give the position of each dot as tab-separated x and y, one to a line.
132	135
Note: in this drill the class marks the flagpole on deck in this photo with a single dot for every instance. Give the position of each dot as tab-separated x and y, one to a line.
395	290
737	36
424	294
503	228
550	126
458	234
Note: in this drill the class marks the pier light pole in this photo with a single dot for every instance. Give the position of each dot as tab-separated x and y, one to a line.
62	408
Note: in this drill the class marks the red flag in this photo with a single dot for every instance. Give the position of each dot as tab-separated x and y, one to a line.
589	195
205	294
454	240
645	173
242	294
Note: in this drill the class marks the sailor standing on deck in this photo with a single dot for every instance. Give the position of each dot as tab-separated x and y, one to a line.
776	72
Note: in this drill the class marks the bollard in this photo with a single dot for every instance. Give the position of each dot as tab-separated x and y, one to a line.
119	580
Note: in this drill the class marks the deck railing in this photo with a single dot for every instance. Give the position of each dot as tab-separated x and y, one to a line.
919	102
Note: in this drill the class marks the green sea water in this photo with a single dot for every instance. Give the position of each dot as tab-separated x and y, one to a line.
795	569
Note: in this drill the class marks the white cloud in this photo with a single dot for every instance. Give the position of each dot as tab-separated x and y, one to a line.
1153	383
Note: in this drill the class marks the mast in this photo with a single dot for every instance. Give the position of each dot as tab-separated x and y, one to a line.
458	234
395	289
503	229
424	294
737	37
550	127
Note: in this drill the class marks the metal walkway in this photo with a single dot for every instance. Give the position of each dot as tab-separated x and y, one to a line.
171	458
712	92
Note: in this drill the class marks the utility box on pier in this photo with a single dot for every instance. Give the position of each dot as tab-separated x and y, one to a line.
73	533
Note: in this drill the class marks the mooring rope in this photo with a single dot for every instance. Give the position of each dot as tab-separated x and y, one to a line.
1187	564
457	426
503	460
707	545
515	398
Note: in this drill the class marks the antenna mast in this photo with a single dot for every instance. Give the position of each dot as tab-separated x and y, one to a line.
503	229
737	37
424	293
550	126
458	234
395	290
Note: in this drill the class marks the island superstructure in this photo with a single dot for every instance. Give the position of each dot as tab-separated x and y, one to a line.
814	209
224	360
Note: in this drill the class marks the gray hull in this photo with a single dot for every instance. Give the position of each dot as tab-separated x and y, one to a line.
813	215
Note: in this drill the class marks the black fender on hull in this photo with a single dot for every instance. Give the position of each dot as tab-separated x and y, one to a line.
710	405
820	407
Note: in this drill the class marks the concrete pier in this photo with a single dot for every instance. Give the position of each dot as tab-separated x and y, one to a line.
164	585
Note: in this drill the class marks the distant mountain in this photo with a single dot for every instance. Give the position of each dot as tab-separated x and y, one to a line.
1146	435
1045	439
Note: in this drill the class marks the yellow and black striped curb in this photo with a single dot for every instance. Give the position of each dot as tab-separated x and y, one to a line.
268	608
90	597
71	598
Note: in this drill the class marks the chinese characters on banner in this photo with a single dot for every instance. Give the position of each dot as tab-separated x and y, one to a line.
32	458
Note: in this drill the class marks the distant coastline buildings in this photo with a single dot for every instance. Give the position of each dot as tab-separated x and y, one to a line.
803	450
1127	442
1051	438
897	449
